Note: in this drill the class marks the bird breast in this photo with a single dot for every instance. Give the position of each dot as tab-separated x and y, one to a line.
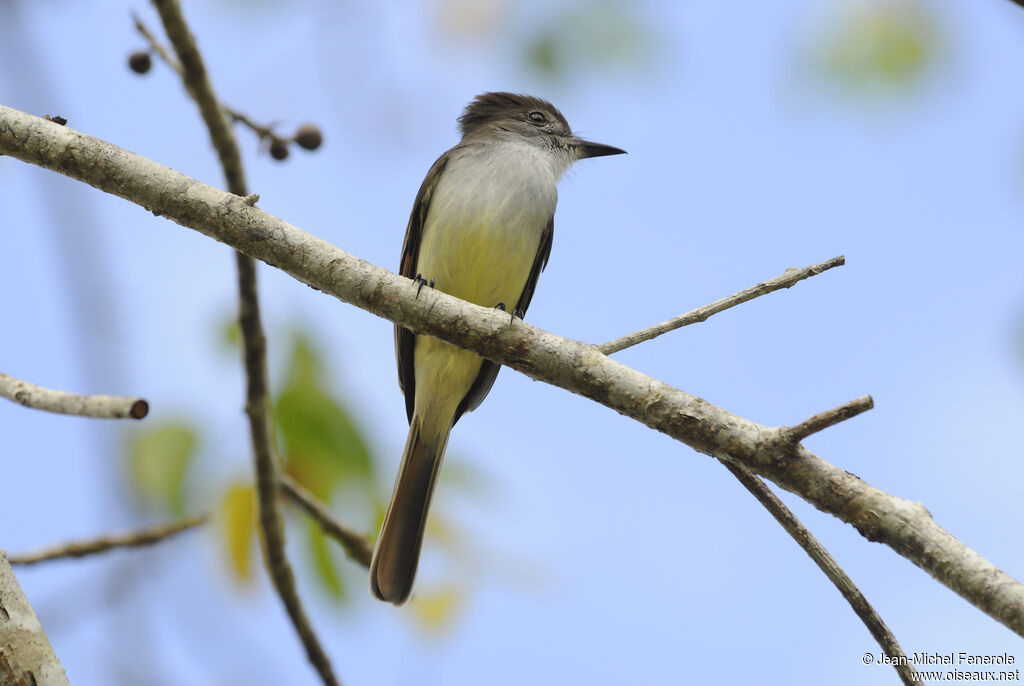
487	216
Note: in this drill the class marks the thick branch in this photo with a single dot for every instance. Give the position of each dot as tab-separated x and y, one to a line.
102	544
254	343
905	526
62	402
26	656
789	278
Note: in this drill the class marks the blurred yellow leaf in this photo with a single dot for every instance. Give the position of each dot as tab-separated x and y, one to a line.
435	610
158	461
237	526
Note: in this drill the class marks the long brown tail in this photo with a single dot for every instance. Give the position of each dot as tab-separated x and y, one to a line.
398	547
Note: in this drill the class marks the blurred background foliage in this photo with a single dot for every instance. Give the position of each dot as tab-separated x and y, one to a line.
878	48
861	55
865	50
556	41
322	447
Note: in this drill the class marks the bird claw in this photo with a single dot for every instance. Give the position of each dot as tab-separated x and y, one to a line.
421	283
516	313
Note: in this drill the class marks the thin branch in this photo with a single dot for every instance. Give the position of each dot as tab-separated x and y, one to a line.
197	83
905	526
62	402
135	539
791	277
824	420
254	342
806	540
263	132
26	656
795	434
356	545
156	46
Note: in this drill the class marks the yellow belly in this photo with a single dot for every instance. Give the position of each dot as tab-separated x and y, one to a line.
487	217
483	264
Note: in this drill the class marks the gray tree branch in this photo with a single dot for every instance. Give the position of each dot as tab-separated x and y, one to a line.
905	526
26	656
790	278
102	544
828	565
356	545
63	402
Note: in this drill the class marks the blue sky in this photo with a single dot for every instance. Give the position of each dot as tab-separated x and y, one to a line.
599	551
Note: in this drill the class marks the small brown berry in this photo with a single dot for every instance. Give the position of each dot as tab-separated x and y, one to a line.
140	62
309	137
279	149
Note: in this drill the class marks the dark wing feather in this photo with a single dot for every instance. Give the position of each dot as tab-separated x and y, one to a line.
489	371
405	340
539	262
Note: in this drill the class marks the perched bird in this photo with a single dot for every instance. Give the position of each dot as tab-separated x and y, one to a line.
480	230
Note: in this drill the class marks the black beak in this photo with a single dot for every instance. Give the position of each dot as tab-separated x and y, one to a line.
586	149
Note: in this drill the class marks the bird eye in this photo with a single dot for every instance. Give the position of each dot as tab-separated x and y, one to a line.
537	118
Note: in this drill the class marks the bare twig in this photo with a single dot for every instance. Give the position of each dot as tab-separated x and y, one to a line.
905	526
791	277
26	656
823	420
806	540
197	83
134	539
355	544
794	435
62	402
264	133
157	47
254	341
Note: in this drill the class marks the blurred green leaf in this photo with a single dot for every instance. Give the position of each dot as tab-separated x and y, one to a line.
586	35
237	526
542	55
229	333
467	478
158	460
380	508
879	46
322	445
323	561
